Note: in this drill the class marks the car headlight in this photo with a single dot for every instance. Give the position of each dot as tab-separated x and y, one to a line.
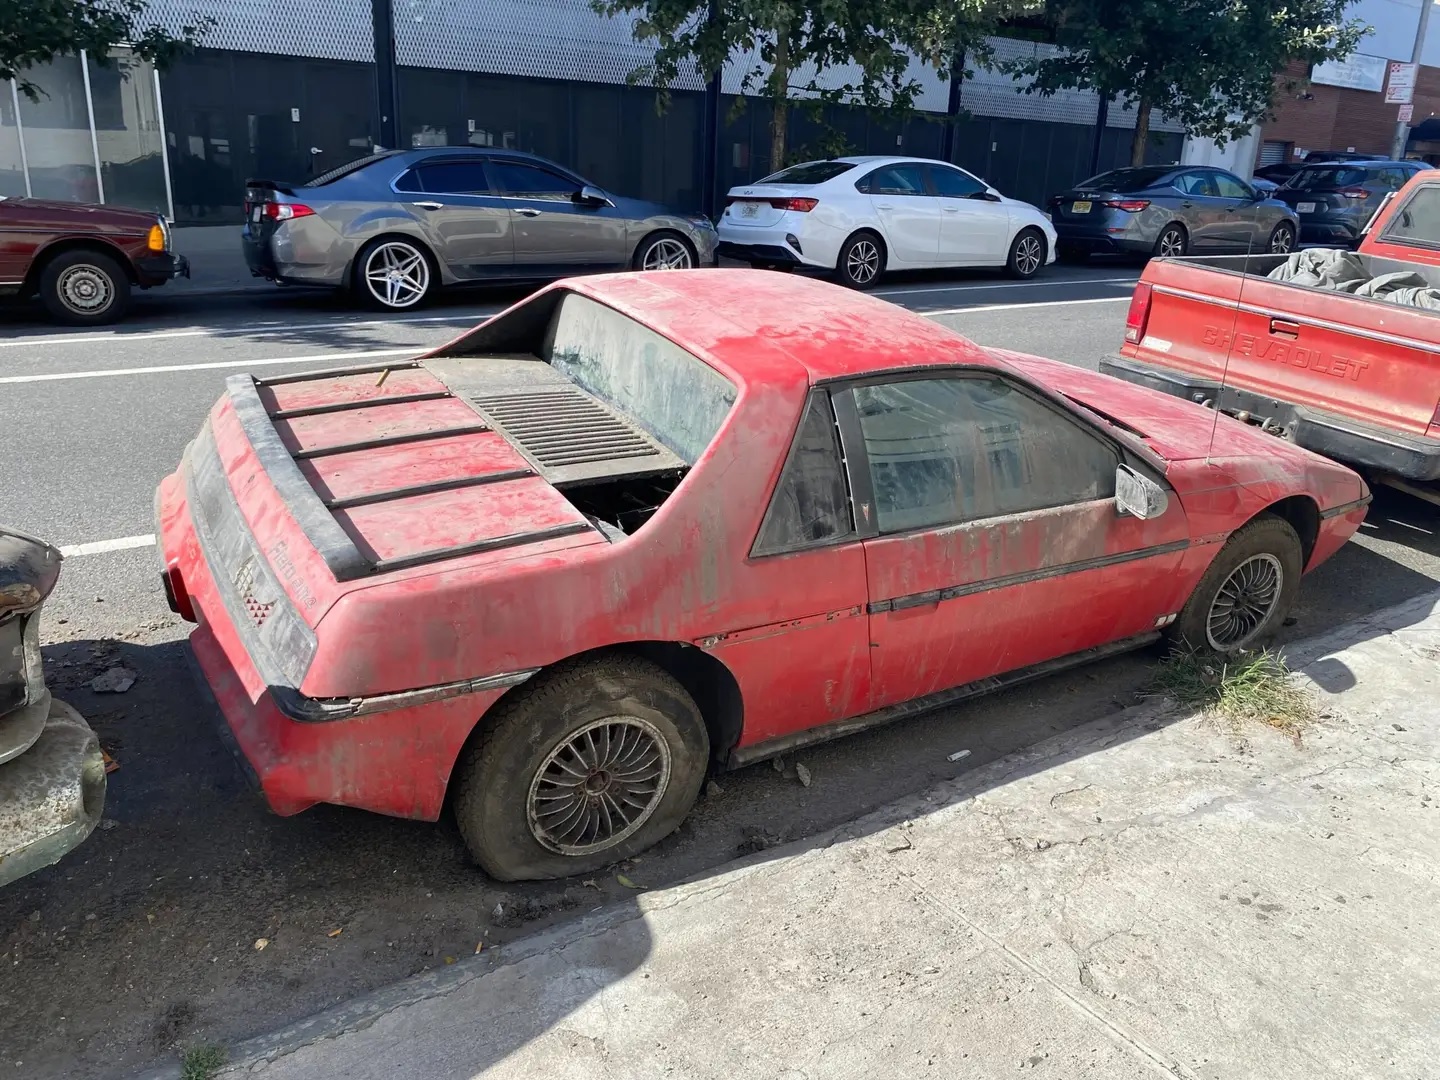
700	221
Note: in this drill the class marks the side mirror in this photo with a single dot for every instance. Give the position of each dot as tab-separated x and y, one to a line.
592	196
984	196
1138	495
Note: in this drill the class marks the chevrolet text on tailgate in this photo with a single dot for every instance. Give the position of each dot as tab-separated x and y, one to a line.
642	527
1335	350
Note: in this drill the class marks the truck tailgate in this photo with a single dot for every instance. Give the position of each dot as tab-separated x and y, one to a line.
1349	356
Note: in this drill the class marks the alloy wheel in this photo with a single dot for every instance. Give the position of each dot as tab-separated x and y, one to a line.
397	275
598	787
1244	602
862	264
1172	244
667	254
86	289
1029	254
1282	242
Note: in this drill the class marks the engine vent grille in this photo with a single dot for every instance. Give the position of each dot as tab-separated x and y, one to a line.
570	436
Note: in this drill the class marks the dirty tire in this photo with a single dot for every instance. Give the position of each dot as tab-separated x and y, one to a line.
862	260
1266	546
84	288
500	771
1027	254
1172	242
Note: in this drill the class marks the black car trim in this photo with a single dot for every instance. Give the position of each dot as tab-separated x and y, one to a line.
1345	508
308	710
390	440
476	547
391	494
953	592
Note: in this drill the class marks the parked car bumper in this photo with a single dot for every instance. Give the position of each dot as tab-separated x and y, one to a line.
795	240
396	762
291	259
1104	235
1334	230
153	270
1413	457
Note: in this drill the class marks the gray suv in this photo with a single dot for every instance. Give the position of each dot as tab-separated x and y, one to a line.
394	226
1336	200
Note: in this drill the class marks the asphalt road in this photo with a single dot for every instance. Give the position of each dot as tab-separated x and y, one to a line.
143	940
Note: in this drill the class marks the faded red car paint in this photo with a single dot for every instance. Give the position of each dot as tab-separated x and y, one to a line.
812	643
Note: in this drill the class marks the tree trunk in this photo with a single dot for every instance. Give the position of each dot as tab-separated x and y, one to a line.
780	88
1141	141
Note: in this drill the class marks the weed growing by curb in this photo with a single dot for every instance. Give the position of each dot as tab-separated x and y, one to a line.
1251	688
202	1062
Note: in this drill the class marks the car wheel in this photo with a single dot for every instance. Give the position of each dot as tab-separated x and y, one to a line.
1173	242
861	261
393	274
590	764
84	288
1027	254
664	251
1282	240
1247	591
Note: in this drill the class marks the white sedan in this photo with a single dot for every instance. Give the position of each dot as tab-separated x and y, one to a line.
862	216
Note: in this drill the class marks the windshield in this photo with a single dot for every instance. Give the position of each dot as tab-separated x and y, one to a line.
678	398
1125	181
1326	178
812	172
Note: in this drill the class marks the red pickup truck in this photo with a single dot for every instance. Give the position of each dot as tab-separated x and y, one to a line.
1337	351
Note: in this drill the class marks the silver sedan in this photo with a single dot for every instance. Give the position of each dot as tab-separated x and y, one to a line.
395	226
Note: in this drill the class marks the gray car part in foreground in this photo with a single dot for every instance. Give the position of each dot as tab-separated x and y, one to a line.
395	226
52	772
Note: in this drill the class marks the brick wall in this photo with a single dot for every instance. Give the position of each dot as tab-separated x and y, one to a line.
1337	118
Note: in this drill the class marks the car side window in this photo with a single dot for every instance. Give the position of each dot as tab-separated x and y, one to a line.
811	504
1231	187
519	178
1417	220
954	184
455	178
409	182
1197	183
946	451
895	180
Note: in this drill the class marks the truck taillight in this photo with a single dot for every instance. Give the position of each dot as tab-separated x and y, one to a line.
803	206
285	211
1139	313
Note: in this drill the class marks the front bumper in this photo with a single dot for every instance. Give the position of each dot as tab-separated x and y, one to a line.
157	269
1413	457
53	794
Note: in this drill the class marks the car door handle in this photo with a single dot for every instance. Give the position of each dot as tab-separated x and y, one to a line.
951	209
1187	206
527	211
1285	328
428	205
883	206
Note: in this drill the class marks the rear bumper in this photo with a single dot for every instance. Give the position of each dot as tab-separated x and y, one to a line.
155	270
1340	438
394	762
1317	230
278	259
1101	237
759	253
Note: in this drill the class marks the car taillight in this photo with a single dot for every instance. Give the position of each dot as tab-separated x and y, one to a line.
1139	313
803	206
1130	206
1354	193
276	211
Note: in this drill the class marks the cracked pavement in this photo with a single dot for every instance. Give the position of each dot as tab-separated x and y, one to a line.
1151	894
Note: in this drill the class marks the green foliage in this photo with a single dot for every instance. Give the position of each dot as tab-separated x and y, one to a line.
1209	64
33	32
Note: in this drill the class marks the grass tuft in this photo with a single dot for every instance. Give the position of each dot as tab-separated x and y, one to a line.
1252	688
202	1062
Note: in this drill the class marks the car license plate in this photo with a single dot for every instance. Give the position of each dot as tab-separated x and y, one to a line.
255	215
1305	208
749	209
1081	207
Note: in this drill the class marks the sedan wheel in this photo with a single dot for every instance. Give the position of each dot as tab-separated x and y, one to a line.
1282	240
862	261
84	288
1247	591
1172	243
1027	255
396	275
665	253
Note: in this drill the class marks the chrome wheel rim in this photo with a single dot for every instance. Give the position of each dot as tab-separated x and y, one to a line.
1244	603
1172	243
397	275
1028	255
863	262
596	789
667	254
1282	242
86	289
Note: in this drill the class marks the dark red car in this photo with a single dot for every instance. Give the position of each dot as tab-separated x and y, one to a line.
642	526
83	260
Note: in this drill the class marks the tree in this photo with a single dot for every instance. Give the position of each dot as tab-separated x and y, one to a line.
34	32
1209	64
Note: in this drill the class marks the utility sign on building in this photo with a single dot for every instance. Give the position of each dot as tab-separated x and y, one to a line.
1400	89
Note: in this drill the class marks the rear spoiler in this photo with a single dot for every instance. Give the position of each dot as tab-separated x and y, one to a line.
284	187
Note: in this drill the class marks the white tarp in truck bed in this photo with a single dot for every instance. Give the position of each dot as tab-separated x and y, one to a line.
1345	271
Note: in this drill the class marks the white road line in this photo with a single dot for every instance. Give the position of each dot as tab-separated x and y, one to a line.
920	291
108	373
258	330
1014	307
99	547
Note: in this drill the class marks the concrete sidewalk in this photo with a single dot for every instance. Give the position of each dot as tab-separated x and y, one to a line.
1146	896
217	265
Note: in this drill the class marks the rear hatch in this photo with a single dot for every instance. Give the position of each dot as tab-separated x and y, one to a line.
1326	190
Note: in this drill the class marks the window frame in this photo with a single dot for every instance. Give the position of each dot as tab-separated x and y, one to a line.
503	191
934	169
757	550
864	186
1247	192
856	459
478	160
